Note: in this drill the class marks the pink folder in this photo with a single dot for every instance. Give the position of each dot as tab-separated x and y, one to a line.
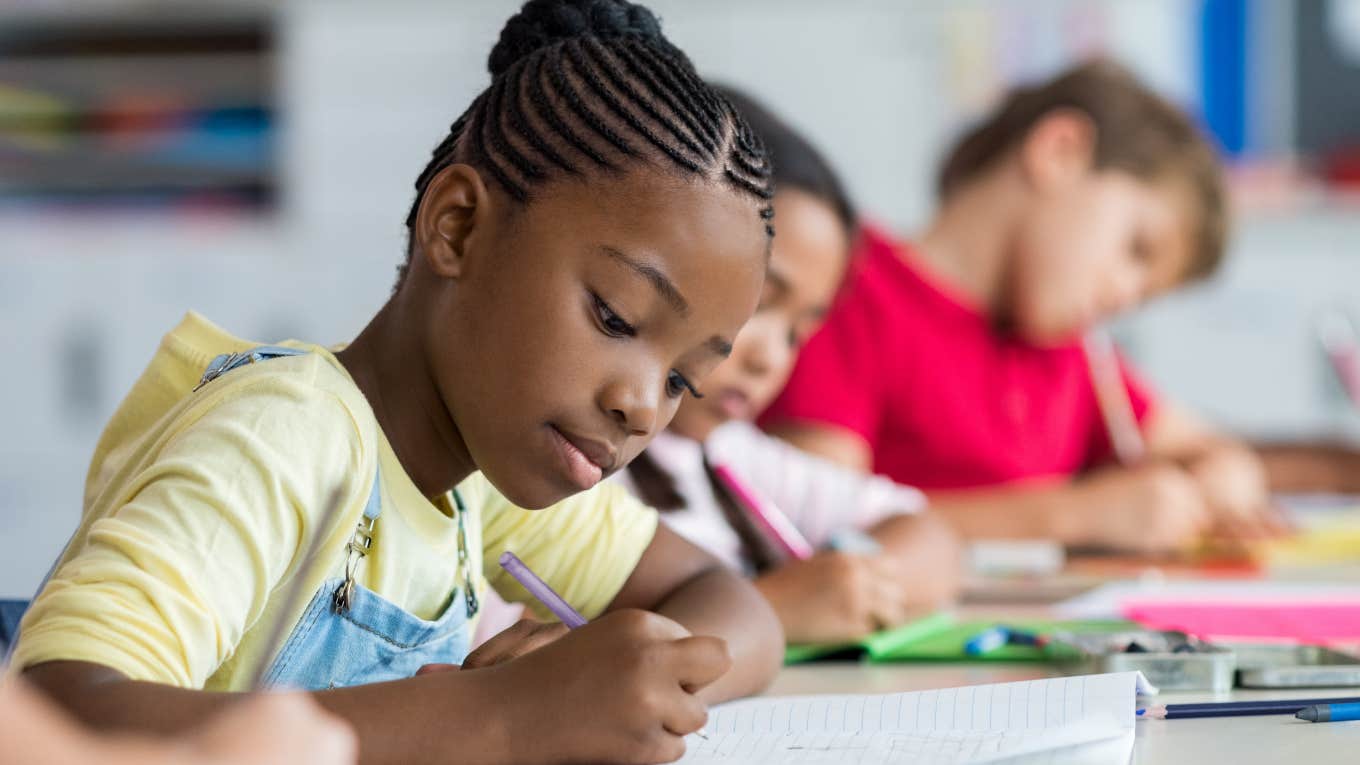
1319	622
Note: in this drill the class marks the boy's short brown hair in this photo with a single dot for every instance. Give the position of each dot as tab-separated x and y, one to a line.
1137	131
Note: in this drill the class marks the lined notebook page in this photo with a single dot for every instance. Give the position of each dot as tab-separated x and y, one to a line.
981	723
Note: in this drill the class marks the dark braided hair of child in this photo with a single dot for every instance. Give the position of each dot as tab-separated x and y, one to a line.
582	86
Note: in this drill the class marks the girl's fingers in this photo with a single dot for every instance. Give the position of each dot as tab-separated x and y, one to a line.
700	661
433	669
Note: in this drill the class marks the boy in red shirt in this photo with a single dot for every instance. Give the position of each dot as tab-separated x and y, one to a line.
956	363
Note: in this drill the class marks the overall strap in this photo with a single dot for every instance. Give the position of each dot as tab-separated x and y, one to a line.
229	361
361	541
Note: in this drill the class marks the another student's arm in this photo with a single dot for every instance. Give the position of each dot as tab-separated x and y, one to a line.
843	596
1311	467
270	729
682	582
1155	507
1230	475
840	445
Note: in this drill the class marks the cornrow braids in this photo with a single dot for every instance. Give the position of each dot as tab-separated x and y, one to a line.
592	85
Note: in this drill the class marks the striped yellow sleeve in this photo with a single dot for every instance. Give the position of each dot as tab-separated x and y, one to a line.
585	547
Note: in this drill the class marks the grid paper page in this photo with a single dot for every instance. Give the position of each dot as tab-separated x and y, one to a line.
975	724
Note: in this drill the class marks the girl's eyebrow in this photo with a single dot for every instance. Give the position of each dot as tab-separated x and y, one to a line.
654	276
716	345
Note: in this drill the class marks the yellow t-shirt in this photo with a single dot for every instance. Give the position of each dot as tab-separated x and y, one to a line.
197	507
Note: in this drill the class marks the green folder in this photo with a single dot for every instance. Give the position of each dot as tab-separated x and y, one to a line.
873	647
942	638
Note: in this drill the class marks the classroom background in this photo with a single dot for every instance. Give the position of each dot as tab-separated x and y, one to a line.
254	162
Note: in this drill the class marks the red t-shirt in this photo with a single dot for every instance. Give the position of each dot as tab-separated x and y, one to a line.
944	399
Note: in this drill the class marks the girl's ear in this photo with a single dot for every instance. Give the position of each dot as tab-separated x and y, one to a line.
1059	149
455	202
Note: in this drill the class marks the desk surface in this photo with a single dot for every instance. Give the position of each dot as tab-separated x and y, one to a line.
1233	740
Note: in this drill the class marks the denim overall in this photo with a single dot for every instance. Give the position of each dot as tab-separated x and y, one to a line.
348	634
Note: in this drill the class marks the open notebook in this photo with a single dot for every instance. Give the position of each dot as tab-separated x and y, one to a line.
1069	719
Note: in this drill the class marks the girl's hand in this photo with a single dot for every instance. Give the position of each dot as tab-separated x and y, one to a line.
524	636
620	690
836	596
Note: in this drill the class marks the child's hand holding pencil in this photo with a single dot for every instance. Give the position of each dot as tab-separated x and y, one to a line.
619	689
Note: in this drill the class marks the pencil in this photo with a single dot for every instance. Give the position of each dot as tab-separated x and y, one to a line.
1236	708
1112	396
769	517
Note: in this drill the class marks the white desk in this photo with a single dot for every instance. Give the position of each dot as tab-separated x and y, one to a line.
1272	740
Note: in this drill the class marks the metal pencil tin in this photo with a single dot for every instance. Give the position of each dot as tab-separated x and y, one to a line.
1172	661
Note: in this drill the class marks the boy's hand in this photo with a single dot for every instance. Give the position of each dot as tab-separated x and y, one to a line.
620	690
1149	508
1233	482
835	596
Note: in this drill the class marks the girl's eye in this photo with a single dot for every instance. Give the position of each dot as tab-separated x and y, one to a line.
613	324
676	385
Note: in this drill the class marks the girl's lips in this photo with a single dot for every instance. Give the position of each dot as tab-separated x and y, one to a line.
581	468
734	404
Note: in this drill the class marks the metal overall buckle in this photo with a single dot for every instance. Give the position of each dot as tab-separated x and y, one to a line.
359	545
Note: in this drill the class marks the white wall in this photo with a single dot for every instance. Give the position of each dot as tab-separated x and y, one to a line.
369	89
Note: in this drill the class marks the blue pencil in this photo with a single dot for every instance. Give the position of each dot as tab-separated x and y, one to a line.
1330	713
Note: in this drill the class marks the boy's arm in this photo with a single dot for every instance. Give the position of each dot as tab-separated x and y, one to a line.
680	581
1311	467
1153	507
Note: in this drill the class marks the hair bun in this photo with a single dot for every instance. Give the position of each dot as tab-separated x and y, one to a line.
541	23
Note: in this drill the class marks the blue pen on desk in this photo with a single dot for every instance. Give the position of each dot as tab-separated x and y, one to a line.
987	641
540	590
1330	713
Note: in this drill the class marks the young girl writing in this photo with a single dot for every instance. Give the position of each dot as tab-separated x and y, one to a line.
833	595
584	247
956	362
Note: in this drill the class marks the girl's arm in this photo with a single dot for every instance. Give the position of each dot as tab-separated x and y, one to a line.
678	580
614	690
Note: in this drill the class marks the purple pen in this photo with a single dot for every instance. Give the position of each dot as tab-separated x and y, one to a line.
540	589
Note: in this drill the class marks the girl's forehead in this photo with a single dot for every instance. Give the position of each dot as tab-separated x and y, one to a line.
671	218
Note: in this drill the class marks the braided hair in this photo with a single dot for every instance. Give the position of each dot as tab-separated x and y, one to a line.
593	85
